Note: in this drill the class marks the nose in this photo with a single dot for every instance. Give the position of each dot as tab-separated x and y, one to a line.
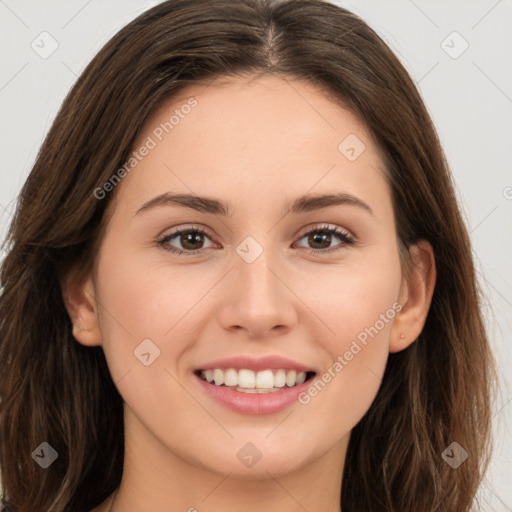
259	299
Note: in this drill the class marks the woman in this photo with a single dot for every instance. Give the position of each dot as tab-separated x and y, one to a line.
237	277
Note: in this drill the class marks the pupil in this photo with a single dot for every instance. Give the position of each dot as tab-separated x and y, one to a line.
190	238
313	239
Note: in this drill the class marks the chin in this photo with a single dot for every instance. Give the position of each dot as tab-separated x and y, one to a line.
250	463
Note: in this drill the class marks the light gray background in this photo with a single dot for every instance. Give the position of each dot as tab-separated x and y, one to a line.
469	98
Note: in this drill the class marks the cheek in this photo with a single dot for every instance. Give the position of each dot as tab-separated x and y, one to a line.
344	391
135	305
359	306
356	301
144	311
144	298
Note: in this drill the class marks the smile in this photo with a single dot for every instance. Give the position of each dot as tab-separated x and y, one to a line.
249	381
246	391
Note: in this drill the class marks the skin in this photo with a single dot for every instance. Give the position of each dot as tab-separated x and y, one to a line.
258	143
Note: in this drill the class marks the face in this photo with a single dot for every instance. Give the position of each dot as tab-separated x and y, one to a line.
270	285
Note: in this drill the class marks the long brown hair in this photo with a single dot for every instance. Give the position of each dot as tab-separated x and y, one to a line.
54	390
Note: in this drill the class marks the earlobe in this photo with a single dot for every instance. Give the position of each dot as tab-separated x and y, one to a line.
415	297
79	299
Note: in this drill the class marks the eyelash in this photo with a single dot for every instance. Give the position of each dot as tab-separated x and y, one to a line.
347	239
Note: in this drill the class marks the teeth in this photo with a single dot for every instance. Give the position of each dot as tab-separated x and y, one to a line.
280	378
246	379
301	377
230	377
256	391
264	380
218	377
291	377
249	381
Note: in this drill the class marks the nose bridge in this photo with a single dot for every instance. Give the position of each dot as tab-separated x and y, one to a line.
256	268
258	300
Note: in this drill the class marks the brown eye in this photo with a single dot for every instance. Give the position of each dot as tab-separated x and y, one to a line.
191	240
320	239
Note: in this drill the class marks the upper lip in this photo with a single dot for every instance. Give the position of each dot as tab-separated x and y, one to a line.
256	364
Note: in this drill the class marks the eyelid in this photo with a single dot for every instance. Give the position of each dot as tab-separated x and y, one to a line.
323	227
173	230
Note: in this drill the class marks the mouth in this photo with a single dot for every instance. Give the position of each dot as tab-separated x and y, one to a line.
249	381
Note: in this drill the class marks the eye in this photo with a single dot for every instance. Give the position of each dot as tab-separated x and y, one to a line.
189	238
324	236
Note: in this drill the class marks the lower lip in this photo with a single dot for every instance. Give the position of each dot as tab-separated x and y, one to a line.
254	403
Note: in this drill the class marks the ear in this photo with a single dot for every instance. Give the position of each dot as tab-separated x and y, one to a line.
79	298
415	297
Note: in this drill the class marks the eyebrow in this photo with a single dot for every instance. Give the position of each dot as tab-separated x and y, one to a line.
305	203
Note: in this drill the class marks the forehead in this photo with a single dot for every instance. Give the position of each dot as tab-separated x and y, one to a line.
235	136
